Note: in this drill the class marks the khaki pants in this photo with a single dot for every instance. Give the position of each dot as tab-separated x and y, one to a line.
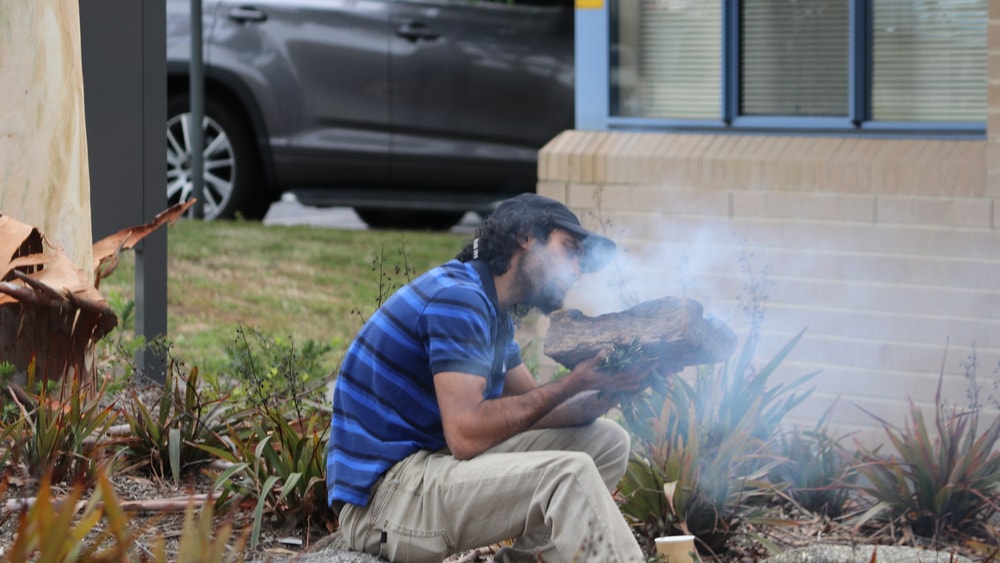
548	488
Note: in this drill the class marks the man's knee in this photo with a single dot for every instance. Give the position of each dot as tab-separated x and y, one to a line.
575	466
611	438
611	450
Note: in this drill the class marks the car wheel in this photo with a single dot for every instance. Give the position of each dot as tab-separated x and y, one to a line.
231	173
408	219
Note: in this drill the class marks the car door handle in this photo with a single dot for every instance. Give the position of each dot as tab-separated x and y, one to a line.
245	14
416	30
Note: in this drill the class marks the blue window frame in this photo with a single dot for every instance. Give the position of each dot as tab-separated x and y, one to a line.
910	54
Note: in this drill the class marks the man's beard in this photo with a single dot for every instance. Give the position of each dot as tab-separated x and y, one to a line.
538	290
546	300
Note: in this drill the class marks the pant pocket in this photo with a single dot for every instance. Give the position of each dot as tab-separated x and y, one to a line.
417	546
361	527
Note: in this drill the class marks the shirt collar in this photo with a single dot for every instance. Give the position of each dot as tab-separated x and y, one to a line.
483	269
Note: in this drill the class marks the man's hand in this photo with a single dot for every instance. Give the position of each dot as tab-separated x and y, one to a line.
591	375
605	391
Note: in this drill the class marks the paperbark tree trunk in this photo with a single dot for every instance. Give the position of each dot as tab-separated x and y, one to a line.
45	183
44	174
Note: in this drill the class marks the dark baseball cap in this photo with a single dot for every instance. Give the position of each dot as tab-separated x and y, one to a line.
598	250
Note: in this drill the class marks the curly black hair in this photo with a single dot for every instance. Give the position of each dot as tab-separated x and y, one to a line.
503	232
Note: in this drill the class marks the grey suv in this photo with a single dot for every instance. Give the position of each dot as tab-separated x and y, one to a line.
411	111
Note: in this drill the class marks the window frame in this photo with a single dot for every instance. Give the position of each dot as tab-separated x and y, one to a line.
594	24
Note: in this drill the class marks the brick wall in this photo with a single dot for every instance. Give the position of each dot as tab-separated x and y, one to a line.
993	115
884	250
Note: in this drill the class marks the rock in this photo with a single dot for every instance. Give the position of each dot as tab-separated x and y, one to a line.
821	553
333	549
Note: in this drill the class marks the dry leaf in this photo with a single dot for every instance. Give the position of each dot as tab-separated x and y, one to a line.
668	491
51	315
106	250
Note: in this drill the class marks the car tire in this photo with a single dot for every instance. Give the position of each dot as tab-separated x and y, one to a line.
232	173
408	219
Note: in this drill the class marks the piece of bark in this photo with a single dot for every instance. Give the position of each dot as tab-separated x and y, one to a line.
672	332
175	504
51	313
113	434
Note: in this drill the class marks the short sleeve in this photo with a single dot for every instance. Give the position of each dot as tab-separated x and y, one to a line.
513	348
458	331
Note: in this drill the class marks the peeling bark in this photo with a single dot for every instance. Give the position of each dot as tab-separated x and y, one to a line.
51	315
672	330
106	250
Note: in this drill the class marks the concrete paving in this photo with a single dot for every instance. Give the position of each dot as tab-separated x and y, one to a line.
288	211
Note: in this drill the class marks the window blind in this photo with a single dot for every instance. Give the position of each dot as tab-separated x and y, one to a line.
929	60
794	57
678	58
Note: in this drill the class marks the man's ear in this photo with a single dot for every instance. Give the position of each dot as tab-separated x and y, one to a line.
524	243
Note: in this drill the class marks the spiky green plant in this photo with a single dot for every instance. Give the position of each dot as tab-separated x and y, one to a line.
698	463
165	436
943	478
8	409
282	464
68	528
813	469
204	540
58	427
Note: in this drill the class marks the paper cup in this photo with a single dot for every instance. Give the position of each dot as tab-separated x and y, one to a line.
677	549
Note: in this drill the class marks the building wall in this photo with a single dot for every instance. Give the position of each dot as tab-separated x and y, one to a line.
993	111
886	251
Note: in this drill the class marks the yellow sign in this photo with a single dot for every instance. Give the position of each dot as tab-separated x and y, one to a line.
589	4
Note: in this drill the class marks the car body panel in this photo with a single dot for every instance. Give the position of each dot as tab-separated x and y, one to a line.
473	86
318	66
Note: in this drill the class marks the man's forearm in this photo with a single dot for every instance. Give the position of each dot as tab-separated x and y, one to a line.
582	408
473	429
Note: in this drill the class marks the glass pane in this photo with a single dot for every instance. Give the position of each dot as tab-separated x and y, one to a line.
794	57
669	59
929	60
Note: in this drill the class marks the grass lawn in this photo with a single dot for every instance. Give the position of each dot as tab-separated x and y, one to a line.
303	283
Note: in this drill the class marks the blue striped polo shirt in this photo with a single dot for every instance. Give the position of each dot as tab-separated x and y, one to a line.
384	404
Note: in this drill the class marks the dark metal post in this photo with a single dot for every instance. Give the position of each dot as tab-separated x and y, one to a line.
151	254
124	45
197	130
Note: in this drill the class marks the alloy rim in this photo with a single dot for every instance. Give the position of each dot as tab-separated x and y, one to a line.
219	164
